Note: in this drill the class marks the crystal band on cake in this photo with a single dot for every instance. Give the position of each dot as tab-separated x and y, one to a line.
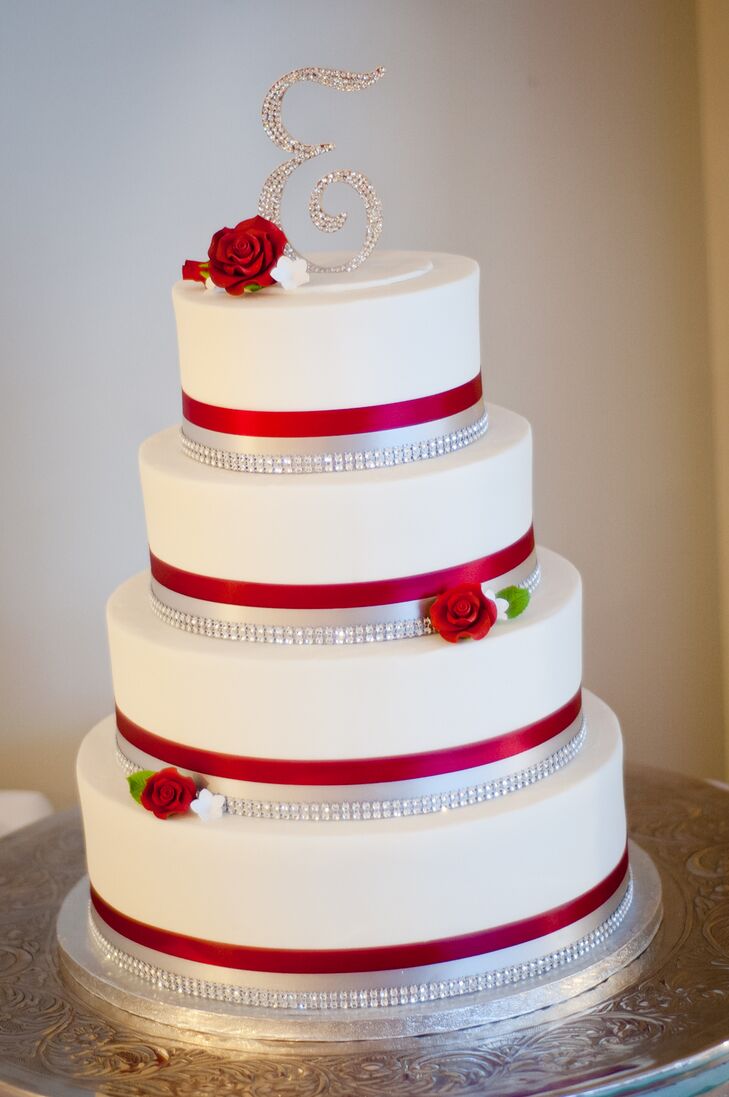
209	968
334	440
355	771
403	448
338	613
369	997
425	803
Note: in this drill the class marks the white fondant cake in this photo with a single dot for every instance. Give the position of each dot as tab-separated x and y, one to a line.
332	819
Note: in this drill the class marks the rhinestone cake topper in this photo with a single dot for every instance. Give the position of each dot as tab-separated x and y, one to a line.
269	203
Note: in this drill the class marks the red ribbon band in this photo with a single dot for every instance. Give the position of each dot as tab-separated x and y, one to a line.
333	421
343	961
377	592
350	771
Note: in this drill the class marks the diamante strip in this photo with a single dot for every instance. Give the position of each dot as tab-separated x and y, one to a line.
336	811
350	461
302	635
370	997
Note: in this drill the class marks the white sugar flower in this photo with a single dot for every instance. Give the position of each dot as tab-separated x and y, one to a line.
290	273
501	604
208	805
209	284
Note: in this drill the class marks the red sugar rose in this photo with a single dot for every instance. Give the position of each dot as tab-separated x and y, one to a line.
463	611
193	271
168	792
245	255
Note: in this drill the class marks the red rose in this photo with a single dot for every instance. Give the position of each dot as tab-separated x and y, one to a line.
194	271
168	793
463	611
245	255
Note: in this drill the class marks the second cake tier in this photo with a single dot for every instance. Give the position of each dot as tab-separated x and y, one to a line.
351	528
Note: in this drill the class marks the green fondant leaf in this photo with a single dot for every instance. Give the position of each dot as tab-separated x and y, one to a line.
518	600
137	781
253	288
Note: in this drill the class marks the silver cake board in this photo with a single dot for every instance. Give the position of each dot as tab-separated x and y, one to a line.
597	976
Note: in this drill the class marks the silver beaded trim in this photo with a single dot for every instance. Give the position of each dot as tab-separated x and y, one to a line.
300	635
371	997
346	811
350	461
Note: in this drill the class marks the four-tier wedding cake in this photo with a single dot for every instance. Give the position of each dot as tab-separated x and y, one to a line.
351	762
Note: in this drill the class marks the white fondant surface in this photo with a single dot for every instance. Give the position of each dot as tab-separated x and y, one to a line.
283	885
404	326
383	268
343	527
406	696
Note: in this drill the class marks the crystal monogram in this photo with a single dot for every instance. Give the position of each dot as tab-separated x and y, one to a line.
269	203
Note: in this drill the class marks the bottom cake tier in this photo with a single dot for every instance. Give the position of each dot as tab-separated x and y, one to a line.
320	915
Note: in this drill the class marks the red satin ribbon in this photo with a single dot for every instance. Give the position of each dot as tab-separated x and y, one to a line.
377	592
334	421
342	961
350	771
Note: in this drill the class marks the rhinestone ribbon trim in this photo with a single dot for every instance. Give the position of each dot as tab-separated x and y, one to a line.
349	460
352	771
333	421
370	611
369	959
371	997
326	596
259	633
427	804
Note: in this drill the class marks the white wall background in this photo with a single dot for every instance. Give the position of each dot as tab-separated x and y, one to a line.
557	141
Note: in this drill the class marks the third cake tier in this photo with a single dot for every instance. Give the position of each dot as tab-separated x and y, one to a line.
289	724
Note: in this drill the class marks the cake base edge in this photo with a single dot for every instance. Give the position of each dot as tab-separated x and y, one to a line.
585	981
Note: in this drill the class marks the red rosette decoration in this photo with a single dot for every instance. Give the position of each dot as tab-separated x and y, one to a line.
192	271
240	259
168	792
463	612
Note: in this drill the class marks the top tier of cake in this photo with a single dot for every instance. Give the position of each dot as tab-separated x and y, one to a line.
405	329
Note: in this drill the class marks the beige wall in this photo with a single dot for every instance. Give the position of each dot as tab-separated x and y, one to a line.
713	25
595	327
558	141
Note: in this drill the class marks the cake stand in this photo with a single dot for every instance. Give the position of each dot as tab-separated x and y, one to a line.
661	1023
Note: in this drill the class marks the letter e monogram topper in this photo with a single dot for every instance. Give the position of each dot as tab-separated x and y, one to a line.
269	203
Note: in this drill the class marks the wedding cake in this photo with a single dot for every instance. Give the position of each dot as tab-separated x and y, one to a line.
386	813
352	763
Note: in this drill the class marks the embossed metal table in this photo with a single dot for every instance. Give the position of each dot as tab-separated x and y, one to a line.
668	1030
